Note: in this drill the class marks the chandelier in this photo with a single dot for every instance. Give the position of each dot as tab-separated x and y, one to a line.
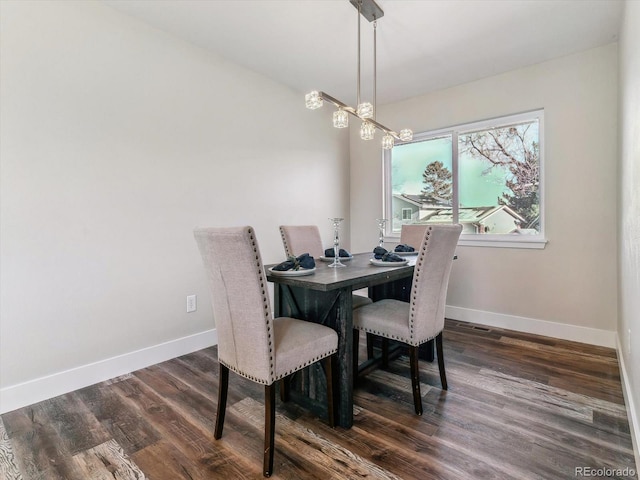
365	111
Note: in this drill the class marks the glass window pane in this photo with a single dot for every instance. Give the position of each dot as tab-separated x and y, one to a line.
499	179
422	182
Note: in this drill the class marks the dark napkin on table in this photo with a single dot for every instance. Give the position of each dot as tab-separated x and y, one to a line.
329	252
403	247
295	263
383	254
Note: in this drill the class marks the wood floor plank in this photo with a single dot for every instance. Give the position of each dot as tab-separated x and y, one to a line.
75	424
38	448
162	460
192	439
9	469
126	426
108	461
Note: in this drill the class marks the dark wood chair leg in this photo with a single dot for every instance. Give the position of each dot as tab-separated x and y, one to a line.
269	428
415	379
370	337
285	388
385	352
443	375
328	371
356	345
426	351
223	387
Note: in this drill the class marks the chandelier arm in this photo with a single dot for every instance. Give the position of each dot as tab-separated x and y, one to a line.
352	111
338	103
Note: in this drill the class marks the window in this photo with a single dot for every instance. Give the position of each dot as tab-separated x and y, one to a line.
487	176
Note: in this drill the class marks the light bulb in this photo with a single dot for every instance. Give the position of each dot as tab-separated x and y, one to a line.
406	135
367	130
340	119
387	142
313	100
365	110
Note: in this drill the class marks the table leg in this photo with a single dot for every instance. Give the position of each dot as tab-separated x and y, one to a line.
344	324
277	300
333	309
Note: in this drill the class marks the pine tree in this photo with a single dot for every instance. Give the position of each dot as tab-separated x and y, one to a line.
438	184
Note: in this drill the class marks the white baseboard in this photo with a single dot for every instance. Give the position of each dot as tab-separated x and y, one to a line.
33	391
632	413
592	336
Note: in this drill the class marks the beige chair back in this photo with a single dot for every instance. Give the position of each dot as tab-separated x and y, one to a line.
240	301
299	239
430	281
412	235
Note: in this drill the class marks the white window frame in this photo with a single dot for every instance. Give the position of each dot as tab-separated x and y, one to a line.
474	240
410	213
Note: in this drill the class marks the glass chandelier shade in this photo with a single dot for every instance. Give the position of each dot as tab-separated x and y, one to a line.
313	100
340	119
387	142
367	130
406	135
365	110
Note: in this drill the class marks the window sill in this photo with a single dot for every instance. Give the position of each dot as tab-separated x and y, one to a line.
477	242
493	242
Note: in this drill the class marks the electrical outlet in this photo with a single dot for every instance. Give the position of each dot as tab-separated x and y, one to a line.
192	303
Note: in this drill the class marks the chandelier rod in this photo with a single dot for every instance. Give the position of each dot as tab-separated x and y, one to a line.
375	72
359	15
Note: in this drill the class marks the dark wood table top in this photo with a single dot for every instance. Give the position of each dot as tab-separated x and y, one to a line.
358	273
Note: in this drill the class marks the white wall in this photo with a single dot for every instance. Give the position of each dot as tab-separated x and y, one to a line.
572	283
629	212
116	141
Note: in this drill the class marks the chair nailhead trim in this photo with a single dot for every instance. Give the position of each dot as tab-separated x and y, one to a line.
416	280
301	366
243	374
409	341
265	303
293	370
287	249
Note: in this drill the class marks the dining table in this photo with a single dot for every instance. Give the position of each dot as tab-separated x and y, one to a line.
324	296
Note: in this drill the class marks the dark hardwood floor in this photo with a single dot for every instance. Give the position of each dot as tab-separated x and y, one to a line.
519	406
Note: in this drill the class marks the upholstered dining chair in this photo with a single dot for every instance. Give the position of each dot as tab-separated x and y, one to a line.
410	234
251	342
299	239
422	319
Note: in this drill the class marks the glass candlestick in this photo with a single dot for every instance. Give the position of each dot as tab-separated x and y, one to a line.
336	243
381	223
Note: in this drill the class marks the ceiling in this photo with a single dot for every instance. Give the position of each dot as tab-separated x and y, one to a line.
423	45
